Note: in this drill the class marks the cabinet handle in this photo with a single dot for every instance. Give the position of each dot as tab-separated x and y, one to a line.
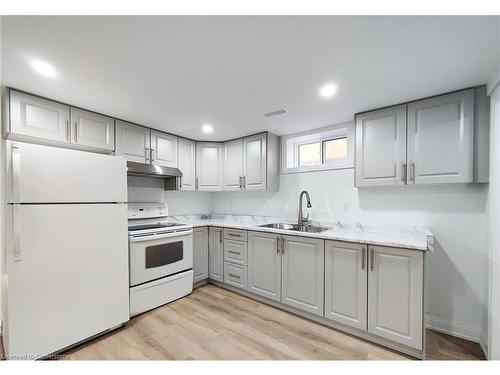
68	131
277	245
363	256
180	183
233	252
234	234
196	183
372	259
152	154
233	275
76	131
244	182
403	172
241	183
283	246
412	172
147	154
220	236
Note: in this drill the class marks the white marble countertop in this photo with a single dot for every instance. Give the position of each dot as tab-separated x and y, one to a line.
409	237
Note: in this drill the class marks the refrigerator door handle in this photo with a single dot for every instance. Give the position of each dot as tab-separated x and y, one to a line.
16	171
16	232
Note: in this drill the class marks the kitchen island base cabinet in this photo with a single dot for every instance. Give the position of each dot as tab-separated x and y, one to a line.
216	254
395	295
200	254
264	265
303	261
346	283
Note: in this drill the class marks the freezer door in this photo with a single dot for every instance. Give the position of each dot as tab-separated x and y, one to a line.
67	275
43	174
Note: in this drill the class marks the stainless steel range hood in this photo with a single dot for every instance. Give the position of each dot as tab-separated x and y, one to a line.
171	175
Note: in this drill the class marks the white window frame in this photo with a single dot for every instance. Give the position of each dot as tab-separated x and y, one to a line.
320	135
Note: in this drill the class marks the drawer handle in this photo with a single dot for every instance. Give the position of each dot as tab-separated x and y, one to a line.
233	275
233	252
234	234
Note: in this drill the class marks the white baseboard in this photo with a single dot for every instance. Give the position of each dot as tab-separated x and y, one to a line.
455	328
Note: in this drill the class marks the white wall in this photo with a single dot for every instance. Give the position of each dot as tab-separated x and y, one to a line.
494	222
144	190
455	214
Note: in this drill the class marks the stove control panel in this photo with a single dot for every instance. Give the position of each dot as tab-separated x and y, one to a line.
147	210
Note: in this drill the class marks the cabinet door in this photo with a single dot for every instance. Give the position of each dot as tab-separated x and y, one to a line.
37	117
93	130
215	254
303	261
381	147
200	253
209	166
264	265
233	165
254	162
133	141
163	149
440	139
187	164
346	275
395	294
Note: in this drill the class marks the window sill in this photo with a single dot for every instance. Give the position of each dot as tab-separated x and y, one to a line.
318	168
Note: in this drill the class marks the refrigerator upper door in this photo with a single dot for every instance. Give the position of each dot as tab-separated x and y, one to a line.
43	174
67	276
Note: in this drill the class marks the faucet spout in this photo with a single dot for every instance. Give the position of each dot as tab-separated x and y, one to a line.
301	220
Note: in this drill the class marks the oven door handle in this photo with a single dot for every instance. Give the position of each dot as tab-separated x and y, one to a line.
160	236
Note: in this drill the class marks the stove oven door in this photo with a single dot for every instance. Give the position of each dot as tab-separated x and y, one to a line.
155	256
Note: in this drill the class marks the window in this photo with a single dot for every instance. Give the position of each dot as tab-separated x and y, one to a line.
326	148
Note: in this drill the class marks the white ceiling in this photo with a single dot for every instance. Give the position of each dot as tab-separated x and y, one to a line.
177	73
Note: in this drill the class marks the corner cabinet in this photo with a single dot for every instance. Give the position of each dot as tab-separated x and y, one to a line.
209	166
187	164
429	141
200	254
395	295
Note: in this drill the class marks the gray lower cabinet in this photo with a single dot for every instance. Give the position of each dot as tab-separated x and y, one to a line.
216	254
302	268
200	254
264	265
235	275
346	283
395	295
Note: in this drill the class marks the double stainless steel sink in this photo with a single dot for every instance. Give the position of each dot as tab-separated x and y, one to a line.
295	227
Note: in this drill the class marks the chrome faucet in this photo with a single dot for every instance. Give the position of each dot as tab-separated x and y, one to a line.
301	220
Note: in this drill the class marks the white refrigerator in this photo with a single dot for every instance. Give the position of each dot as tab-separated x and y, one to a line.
65	269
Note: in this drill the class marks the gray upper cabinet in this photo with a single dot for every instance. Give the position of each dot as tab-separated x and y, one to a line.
200	254
92	130
440	139
133	141
395	295
216	254
36	117
264	265
443	139
255	162
187	164
209	166
303	261
163	149
346	283
233	165
381	147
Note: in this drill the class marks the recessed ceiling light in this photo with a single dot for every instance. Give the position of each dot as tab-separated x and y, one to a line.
43	68
207	128
327	91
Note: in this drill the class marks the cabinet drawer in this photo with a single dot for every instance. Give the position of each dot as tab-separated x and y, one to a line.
235	275
235	234
235	251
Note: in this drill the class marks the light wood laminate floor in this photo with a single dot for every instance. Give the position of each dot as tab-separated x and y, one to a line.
214	323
